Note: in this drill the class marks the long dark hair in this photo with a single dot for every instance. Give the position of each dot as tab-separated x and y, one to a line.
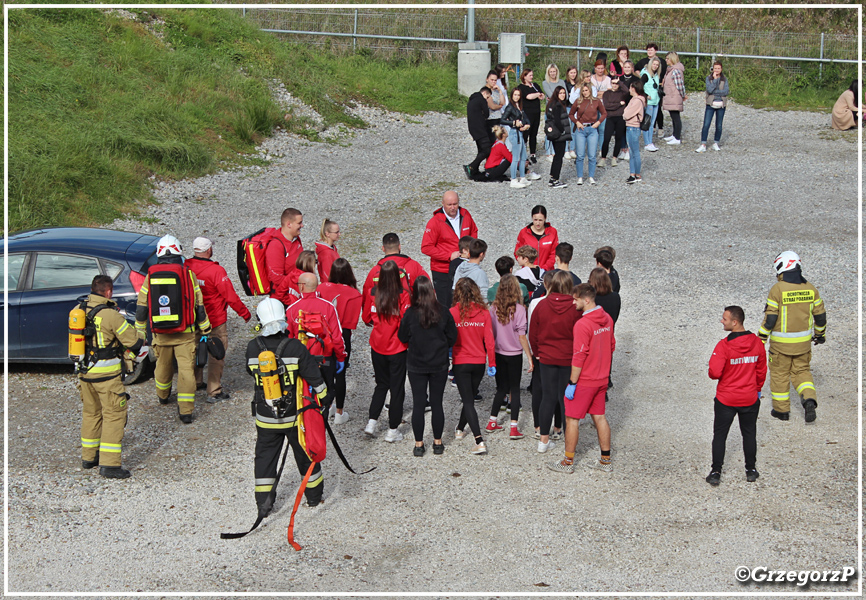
855	87
519	103
341	272
424	301
388	290
554	99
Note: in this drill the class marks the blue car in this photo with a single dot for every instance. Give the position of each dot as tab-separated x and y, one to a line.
50	269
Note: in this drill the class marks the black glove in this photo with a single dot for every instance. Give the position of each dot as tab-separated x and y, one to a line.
819	339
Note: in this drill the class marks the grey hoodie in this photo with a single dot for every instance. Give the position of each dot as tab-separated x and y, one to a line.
473	272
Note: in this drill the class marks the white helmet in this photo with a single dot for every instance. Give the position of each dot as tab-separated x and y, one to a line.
168	244
786	261
272	315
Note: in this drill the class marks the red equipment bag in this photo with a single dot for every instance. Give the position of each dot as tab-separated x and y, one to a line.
316	335
252	268
311	437
170	298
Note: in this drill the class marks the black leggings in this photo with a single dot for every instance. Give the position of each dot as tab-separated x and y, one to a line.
615	127
678	124
419	382
554	380
558	153
508	372
484	146
494	174
724	417
530	136
340	378
389	370
468	378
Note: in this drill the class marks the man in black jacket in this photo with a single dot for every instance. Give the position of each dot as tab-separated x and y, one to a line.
476	119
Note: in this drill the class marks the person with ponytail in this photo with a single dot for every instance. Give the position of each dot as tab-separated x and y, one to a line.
326	248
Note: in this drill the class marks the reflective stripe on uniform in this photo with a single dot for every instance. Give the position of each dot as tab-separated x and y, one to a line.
320	389
186	397
772	303
264	488
793	337
780	396
100	339
818	302
265	484
122	328
274	420
806	385
264	425
763	331
89	443
108	365
106	447
316	480
163	386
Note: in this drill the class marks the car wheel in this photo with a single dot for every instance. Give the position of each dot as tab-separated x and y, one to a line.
142	372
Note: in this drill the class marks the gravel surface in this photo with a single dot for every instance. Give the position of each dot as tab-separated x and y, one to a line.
699	234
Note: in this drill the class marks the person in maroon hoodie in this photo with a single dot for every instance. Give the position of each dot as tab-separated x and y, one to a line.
740	364
474	346
342	291
550	337
590	364
410	270
441	237
540	235
217	292
388	353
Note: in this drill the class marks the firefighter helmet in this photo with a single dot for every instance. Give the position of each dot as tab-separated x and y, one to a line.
786	261
272	315
168	244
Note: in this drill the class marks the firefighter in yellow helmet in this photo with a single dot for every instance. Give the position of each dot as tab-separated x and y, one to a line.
102	393
170	300
794	318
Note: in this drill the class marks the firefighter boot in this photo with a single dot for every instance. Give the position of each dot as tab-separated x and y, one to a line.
114	472
810	405
89	464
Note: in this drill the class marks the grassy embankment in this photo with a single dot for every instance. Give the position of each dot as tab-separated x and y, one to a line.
98	104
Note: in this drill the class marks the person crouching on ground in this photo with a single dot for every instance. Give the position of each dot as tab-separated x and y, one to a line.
499	161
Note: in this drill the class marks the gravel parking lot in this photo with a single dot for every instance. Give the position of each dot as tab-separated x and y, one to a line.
698	235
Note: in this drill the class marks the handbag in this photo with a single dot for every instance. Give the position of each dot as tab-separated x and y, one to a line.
552	129
647	122
718	104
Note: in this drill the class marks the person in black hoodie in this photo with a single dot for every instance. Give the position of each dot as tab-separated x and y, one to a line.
557	114
429	331
476	119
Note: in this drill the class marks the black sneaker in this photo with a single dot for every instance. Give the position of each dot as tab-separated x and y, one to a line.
218	398
810	406
89	464
631	179
200	386
418	451
782	416
468	170
751	475
532	159
114	472
714	478
558	184
164	400
438	448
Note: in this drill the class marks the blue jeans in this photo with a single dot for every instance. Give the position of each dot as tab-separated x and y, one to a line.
651	110
708	118
601	130
632	138
572	145
586	141
518	153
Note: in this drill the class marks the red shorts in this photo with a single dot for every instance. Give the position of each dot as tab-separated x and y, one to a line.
586	400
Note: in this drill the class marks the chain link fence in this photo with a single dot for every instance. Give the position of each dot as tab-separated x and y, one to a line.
394	31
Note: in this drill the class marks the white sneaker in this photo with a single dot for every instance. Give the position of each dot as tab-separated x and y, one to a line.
550	158
572	155
669	138
651	148
516	183
459	434
480	448
525	181
533	176
542	447
702	148
393	435
591	181
340	418
333	410
370	429
674	142
716	146
580	181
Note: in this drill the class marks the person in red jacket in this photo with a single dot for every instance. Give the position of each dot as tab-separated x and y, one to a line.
551	337
740	365
387	352
593	348
474	347
217	292
283	249
326	248
440	241
540	235
311	302
342	292
410	270
499	161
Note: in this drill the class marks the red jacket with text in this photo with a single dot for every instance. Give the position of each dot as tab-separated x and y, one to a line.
475	343
440	241
217	291
739	362
593	347
311	302
546	246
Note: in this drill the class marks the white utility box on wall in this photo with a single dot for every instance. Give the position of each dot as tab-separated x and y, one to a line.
512	48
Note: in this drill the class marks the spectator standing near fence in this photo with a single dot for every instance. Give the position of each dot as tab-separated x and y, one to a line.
557	129
587	114
552	80
651	78
616	65
495	102
532	95
633	115
476	120
651	52
674	87
716	101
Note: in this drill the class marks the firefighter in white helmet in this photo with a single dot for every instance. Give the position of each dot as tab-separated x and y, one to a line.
794	318
171	301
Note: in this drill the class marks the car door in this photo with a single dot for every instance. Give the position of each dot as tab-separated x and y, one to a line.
14	283
55	281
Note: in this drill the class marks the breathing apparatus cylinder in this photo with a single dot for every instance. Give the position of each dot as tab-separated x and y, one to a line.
77	320
269	372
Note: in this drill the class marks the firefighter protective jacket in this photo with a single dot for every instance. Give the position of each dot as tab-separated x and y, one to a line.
112	330
793	311
142	315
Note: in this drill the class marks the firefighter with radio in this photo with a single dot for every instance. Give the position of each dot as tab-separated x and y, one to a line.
98	333
278	362
171	301
794	318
